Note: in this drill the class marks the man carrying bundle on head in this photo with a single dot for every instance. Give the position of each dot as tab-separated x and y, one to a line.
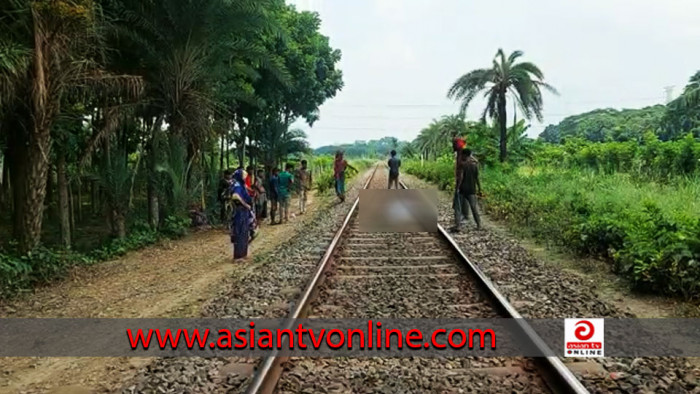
467	187
458	144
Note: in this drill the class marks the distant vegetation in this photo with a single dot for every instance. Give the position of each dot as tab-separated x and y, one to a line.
603	125
369	149
670	122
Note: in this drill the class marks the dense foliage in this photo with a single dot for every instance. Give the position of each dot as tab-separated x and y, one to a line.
371	148
609	124
125	112
651	157
620	201
668	122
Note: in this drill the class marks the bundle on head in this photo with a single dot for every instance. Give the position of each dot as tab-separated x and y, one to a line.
458	144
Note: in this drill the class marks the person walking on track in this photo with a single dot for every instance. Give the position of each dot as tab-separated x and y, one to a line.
305	182
468	187
286	180
394	165
339	167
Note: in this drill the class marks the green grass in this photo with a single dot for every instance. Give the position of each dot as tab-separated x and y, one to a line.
648	230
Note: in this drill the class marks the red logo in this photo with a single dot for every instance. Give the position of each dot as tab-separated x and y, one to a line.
585	332
584	337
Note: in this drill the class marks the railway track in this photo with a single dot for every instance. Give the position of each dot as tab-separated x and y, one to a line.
405	275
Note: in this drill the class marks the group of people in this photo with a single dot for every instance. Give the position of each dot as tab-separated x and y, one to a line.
249	191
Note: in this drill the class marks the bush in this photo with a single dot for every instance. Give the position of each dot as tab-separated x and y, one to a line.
175	226
324	180
650	232
649	158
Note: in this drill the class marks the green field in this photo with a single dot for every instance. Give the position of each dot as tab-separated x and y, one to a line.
647	227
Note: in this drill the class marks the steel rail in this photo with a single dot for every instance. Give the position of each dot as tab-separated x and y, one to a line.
267	376
557	376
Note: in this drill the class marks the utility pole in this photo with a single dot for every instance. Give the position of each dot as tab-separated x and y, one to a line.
669	93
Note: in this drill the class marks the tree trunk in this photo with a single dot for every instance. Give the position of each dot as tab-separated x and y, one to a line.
63	203
118	223
221	153
228	154
32	159
93	196
240	141
241	154
79	198
152	161
502	126
71	200
30	188
49	199
6	191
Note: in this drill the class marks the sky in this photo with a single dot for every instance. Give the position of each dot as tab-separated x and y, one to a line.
401	56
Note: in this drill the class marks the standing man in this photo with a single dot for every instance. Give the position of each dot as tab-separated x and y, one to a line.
274	194
286	181
394	165
305	182
339	167
458	145
467	187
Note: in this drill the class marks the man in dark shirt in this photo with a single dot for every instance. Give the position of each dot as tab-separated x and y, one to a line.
468	186
394	165
286	181
274	192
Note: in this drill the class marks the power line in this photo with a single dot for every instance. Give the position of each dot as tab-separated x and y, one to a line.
456	104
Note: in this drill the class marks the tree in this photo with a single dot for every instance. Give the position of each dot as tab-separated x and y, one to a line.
54	48
608	124
140	101
313	78
683	114
523	81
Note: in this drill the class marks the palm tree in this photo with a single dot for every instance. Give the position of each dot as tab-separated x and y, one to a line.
49	50
522	80
451	126
691	93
